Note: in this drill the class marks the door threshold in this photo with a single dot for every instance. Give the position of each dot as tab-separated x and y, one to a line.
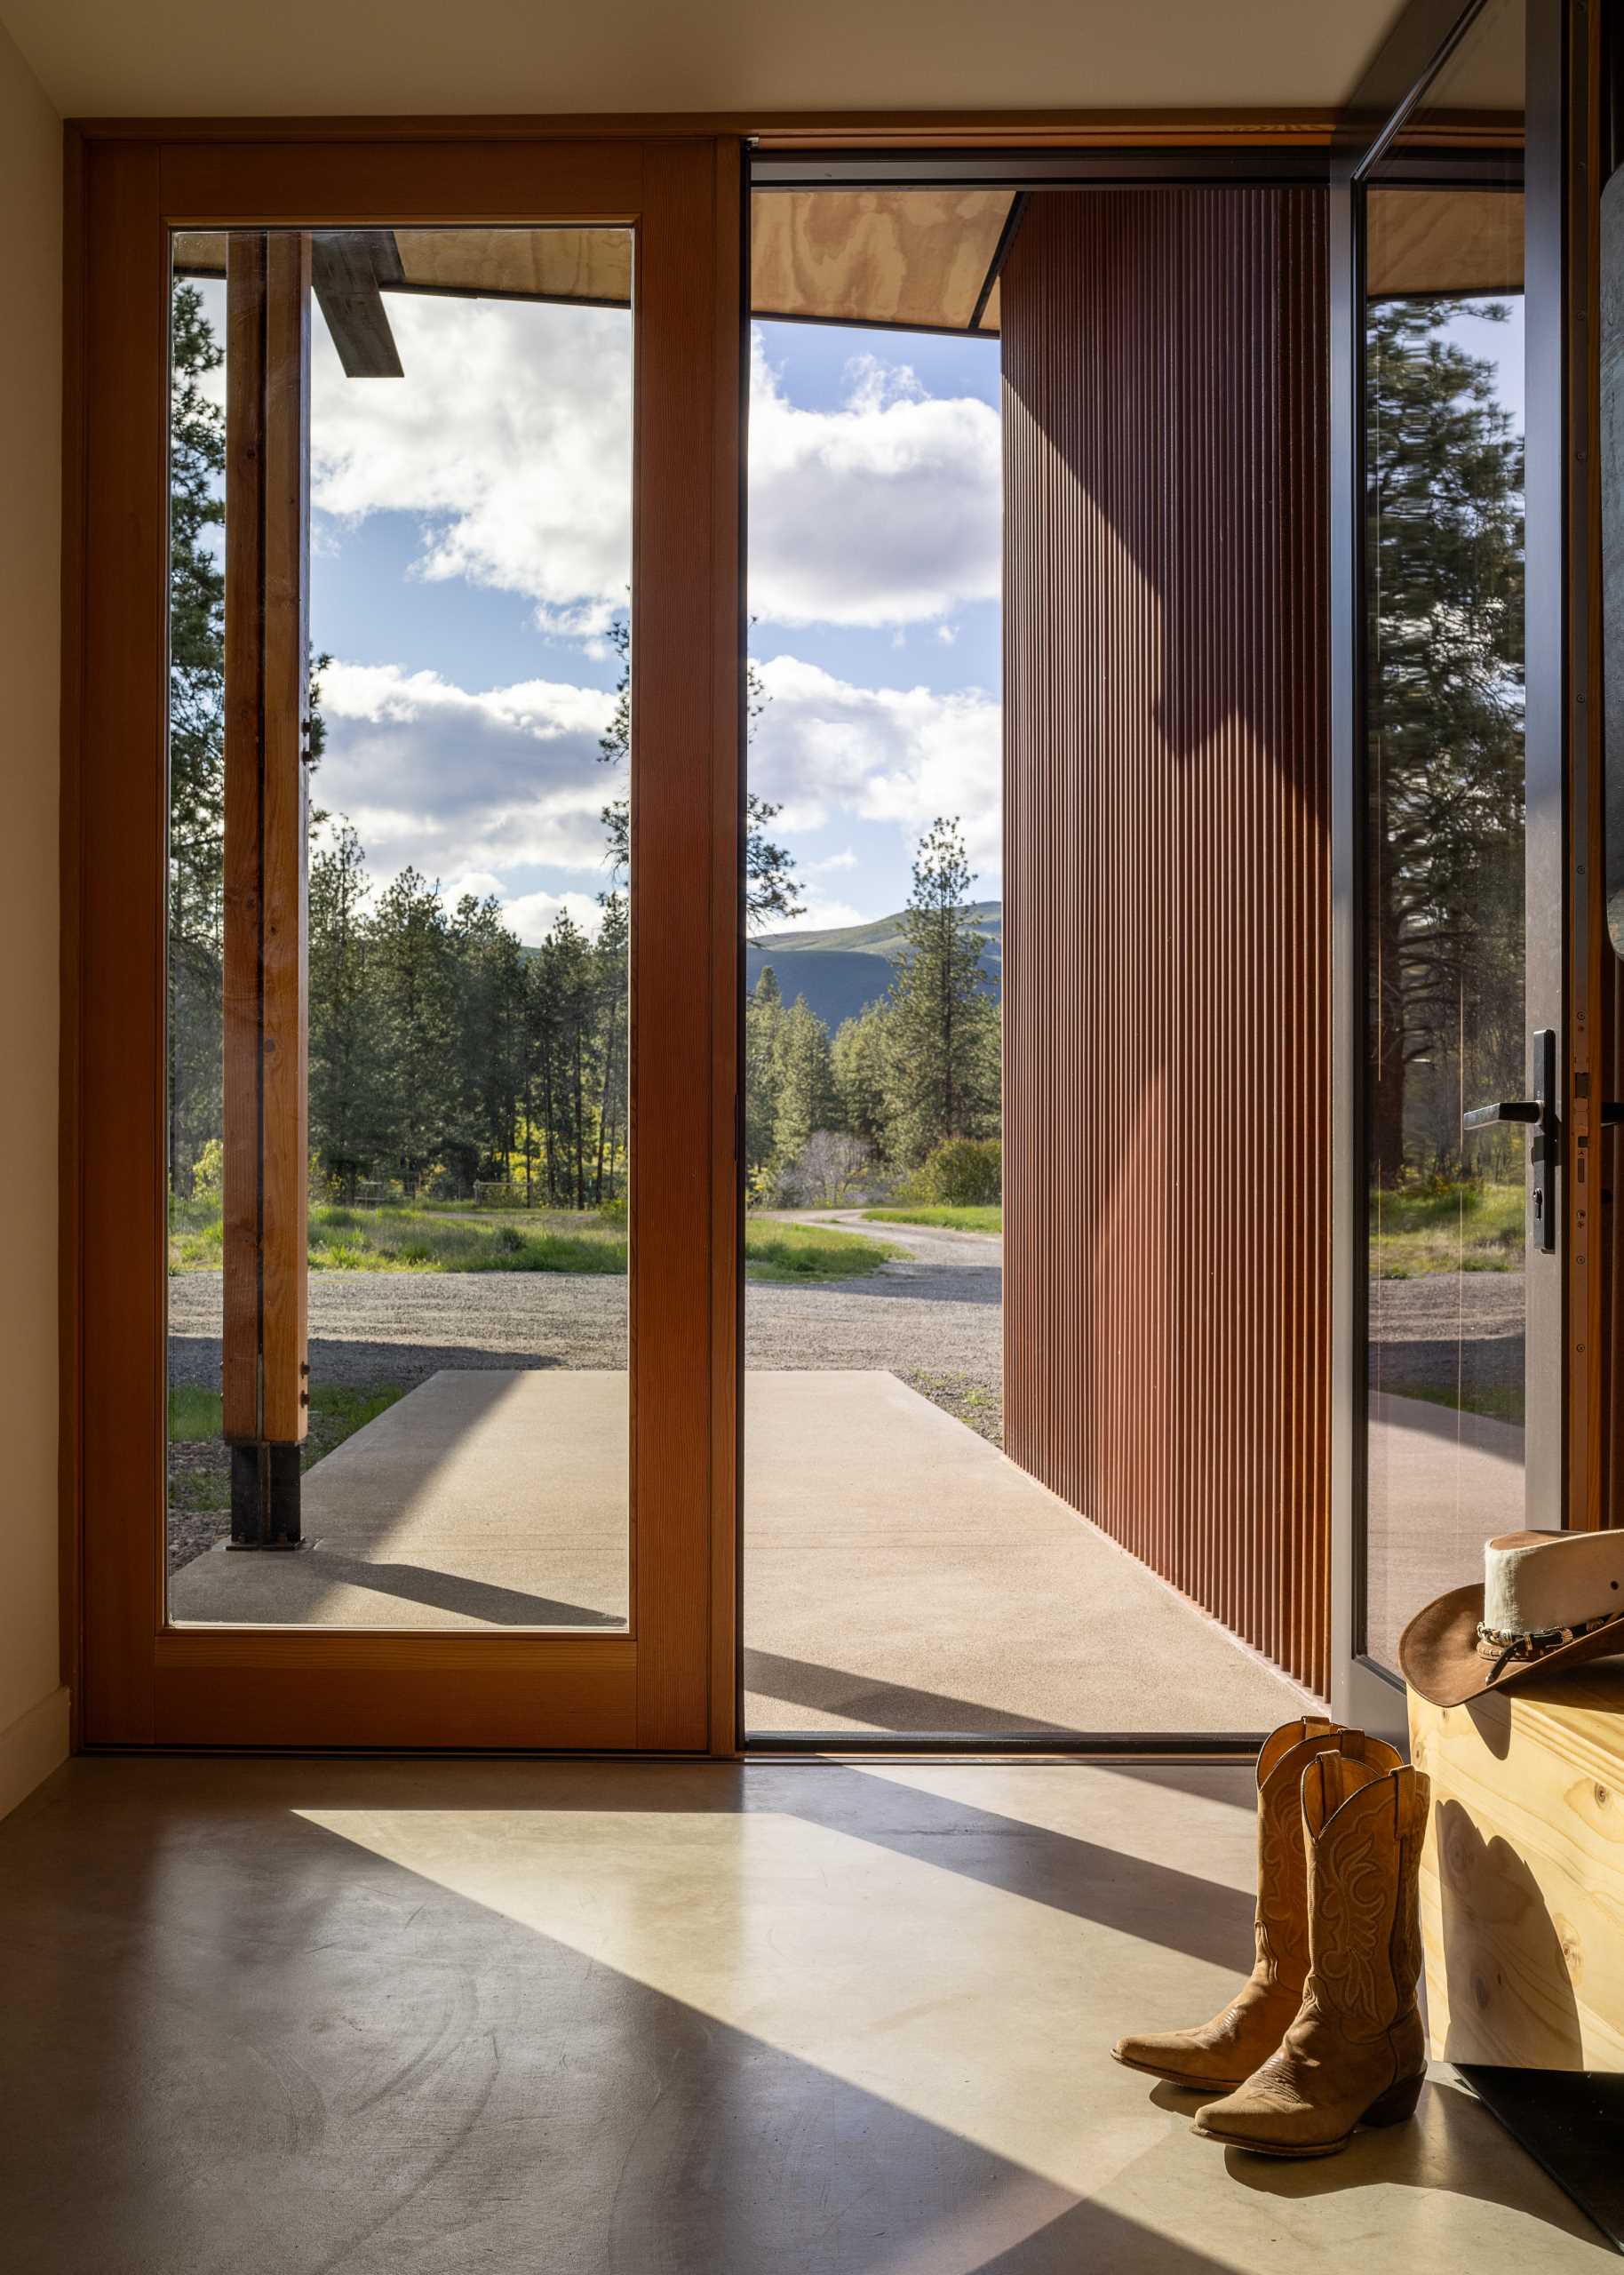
982	1745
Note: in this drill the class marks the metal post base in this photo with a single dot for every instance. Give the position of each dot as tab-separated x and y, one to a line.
265	1495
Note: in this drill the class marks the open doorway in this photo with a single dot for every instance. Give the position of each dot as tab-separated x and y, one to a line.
904	1574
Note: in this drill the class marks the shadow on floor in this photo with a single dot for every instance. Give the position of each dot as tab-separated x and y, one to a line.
874	1704
281	2051
1181	1911
428	2082
450	1592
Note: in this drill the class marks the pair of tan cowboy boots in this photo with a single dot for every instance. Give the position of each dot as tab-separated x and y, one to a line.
1326	2033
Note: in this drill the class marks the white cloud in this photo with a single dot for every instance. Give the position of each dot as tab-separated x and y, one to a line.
826	750
847	859
510	435
462	785
886	511
510	438
532	915
823	916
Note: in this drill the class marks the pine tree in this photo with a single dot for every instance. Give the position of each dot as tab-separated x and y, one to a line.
805	1086
772	894
349	1103
942	1024
487	968
611	980
764	1017
1445	719
860	1060
414	994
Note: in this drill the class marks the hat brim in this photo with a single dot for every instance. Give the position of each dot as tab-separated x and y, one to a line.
1441	1662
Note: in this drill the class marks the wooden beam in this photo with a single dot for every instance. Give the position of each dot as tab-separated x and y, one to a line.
347	268
264	1369
285	1119
245	283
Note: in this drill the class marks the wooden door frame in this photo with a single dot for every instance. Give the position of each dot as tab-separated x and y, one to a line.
670	1684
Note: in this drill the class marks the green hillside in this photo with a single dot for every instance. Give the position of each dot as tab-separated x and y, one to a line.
842	972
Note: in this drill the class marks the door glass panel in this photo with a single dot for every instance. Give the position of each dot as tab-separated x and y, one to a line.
1447	1021
469	468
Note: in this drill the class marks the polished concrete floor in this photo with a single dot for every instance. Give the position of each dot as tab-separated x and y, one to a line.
291	2018
900	1574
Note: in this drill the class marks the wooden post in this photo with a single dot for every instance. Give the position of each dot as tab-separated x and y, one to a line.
264	1375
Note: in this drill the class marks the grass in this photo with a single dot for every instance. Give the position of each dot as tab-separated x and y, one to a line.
1446	1227
989	1218
201	1483
452	1239
426	1240
978	1406
336	1411
810	1252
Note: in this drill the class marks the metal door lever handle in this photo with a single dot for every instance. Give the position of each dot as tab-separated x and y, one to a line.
1483	1117
1542	1114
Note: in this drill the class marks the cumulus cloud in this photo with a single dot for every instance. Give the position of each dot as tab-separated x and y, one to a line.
886	511
510	436
532	915
483	788
510	439
824	916
824	748
465	784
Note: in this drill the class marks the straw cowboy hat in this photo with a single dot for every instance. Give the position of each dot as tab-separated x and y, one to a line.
1548	1600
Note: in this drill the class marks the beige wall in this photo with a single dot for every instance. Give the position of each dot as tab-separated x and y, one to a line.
33	1707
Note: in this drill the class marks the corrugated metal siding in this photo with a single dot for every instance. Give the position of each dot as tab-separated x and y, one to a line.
1166	889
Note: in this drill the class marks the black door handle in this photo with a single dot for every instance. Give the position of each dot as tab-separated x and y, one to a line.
1541	1113
1483	1117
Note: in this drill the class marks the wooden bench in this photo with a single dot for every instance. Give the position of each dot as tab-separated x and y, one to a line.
1522	1888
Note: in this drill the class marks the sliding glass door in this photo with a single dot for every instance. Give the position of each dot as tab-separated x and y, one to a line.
410	880
1464	1132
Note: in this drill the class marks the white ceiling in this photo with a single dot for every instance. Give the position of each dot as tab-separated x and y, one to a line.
265	57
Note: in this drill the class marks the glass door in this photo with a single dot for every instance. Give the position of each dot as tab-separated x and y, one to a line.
440	782
1457	1059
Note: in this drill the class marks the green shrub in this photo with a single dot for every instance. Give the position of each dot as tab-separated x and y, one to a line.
208	1171
961	1173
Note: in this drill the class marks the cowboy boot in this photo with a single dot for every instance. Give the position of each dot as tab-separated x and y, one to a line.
1355	2055
1223	2052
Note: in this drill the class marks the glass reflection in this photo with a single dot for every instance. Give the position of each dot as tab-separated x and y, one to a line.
1447	1025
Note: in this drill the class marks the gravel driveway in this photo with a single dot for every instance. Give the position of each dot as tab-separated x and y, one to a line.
1447	1329
935	1312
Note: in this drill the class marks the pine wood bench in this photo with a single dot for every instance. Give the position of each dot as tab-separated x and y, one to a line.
1522	1887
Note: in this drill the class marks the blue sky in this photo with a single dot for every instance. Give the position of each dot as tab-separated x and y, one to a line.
470	545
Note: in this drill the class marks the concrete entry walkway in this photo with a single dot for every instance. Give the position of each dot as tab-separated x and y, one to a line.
483	1498
899	1573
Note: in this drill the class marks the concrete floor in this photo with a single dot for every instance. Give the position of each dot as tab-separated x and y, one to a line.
900	1574
289	2017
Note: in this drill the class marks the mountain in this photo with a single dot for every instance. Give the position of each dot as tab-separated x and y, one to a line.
840	973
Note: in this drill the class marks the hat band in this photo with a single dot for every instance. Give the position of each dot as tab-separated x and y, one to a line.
1504	1645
